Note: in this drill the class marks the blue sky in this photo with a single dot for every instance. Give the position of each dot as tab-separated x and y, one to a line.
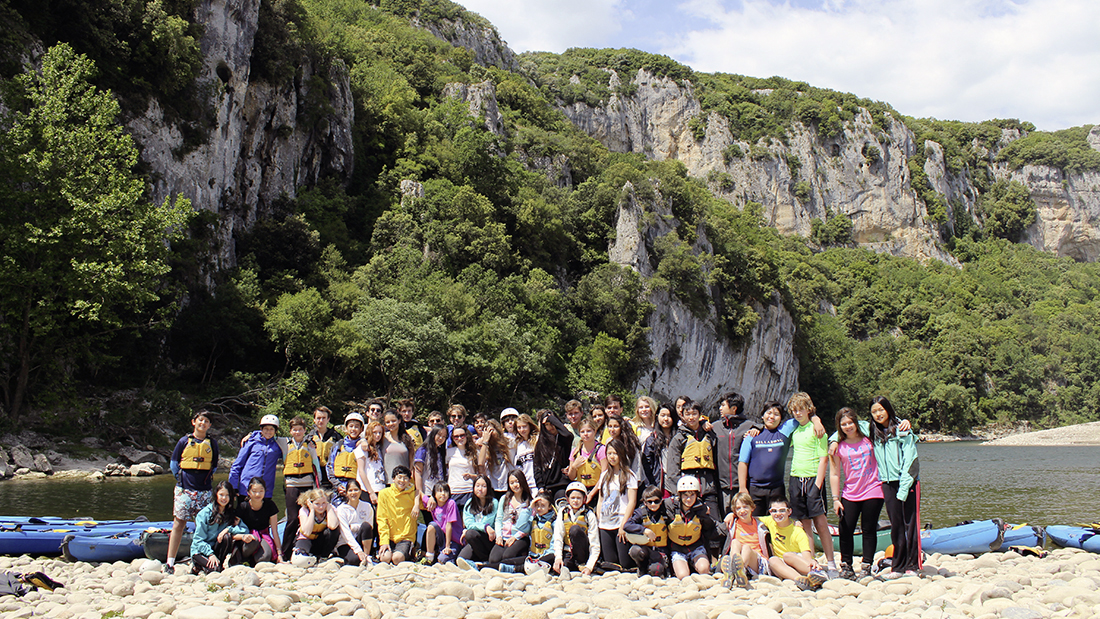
1036	60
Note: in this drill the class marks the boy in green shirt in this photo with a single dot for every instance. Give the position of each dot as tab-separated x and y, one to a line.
807	483
792	554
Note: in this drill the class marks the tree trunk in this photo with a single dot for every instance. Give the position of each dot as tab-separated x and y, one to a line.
16	406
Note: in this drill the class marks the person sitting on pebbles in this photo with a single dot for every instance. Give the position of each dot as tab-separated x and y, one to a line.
690	530
318	528
650	521
792	555
576	536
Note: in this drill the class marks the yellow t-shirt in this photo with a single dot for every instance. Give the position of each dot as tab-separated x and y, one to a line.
791	538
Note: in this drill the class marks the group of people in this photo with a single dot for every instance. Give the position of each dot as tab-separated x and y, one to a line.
669	491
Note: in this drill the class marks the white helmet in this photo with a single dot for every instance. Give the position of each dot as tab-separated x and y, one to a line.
354	417
269	420
687	483
575	486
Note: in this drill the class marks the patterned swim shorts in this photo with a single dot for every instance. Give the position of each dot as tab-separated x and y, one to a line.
186	504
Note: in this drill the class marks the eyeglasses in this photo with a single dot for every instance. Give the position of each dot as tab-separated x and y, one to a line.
456	416
454	436
779	510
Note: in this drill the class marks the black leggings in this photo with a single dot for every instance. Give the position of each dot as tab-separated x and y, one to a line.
507	554
252	553
650	560
477	546
290	531
221	550
904	526
322	546
365	536
867	512
614	551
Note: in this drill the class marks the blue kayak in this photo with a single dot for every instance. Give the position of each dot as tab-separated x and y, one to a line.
1075	537
38	539
969	538
125	546
1023	535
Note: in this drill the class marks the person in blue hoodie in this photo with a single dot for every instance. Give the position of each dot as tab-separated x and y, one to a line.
259	457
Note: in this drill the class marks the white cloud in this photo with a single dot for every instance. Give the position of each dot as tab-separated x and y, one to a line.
553	25
1037	60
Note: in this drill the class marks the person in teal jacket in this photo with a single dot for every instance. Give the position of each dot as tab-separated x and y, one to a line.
218	532
479	518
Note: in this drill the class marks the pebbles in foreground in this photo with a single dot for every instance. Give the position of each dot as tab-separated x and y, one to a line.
1064	584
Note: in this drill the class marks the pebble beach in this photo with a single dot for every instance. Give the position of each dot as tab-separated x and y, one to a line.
1066	583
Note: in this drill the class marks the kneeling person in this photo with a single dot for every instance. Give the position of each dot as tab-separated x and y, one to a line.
397	513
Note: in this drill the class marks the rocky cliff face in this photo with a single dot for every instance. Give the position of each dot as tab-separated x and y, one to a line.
482	40
873	191
690	356
264	143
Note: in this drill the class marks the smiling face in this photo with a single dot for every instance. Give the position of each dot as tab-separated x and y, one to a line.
643	410
849	428
393	422
599	416
612	456
200	425
268	432
772	417
614	428
354	428
780	513
442	496
879	414
376	434
440	439
481	489
523	429
743	511
576	500
664	418
458	437
298	433
256	492
691	418
222	497
353	492
374	411
435	419
402	481
514	485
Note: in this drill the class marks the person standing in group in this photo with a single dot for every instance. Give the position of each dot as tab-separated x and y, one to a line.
430	466
375	408
598	415
551	459
407	410
645	418
194	462
861	497
462	467
809	457
587	460
691	452
323	438
301	472
494	457
342	466
618	497
655	449
508	419
456	413
763	457
259	457
523	453
574	413
397	448
619	428
899	471
729	431
370	465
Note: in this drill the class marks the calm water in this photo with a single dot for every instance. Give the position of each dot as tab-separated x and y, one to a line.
960	481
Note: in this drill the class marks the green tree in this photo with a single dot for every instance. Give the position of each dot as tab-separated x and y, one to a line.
83	251
1007	210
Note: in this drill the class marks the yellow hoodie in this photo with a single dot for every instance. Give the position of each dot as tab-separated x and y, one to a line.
397	515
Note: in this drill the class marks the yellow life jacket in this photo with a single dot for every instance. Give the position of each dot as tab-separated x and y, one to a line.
345	467
684	533
417	436
568	520
697	455
318	527
324	448
659	528
588	473
198	455
541	537
298	461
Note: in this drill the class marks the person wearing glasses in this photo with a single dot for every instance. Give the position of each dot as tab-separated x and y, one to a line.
457	416
792	554
651	522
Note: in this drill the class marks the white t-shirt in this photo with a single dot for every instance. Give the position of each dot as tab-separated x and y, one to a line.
458	465
613	502
524	459
351	520
375	472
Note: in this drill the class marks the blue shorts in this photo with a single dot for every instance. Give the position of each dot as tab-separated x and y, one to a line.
691	555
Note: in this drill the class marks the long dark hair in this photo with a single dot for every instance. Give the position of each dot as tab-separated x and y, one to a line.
402	432
435	457
631	445
546	447
226	516
525	490
847	413
659	438
881	433
478	506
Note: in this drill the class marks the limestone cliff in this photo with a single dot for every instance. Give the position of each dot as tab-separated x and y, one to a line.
265	141
861	173
690	355
479	37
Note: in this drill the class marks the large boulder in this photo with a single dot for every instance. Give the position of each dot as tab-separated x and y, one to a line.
138	456
42	464
21	457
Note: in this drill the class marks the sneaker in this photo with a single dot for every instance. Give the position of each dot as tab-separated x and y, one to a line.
817	578
168	569
846	572
464	564
506	568
832	574
891	575
864	572
737	572
804	583
533	567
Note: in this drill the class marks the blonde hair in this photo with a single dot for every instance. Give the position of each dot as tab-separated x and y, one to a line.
801	401
533	435
653	409
308	497
744	498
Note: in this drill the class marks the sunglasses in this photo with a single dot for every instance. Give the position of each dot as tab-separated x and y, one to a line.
653	501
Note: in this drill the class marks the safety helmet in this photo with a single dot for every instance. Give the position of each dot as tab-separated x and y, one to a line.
269	420
687	483
575	486
354	417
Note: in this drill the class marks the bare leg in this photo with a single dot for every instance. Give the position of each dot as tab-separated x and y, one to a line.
681	569
821	523
174	539
702	565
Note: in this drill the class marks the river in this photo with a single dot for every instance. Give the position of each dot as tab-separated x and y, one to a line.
960	481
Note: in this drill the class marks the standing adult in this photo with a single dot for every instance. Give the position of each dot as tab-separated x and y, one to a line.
258	457
323	438
551	458
899	471
729	430
302	470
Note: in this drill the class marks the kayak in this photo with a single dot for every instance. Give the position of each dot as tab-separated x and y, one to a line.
1084	538
7	522
1023	535
155	545
967	538
882	539
39	539
125	546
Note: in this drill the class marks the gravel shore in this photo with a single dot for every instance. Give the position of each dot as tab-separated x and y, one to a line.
1080	434
1063	584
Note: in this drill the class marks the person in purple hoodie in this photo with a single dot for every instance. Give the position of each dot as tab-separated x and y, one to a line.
259	457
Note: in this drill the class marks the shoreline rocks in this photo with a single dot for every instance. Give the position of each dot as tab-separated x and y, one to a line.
1064	584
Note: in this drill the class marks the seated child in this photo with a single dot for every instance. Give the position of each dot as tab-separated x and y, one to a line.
690	529
445	527
650	520
540	555
356	526
217	531
576	536
748	554
792	555
318	528
397	512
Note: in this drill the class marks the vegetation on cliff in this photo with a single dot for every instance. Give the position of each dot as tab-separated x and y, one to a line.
495	288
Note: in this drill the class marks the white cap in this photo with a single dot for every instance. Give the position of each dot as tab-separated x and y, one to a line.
687	483
354	417
509	412
269	420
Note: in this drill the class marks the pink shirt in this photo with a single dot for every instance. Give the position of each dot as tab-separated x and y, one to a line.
860	471
442	514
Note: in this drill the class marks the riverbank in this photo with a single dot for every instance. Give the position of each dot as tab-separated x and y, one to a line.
1063	584
1083	434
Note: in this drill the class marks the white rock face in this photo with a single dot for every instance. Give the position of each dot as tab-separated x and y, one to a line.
690	357
1068	209
482	101
482	40
264	142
